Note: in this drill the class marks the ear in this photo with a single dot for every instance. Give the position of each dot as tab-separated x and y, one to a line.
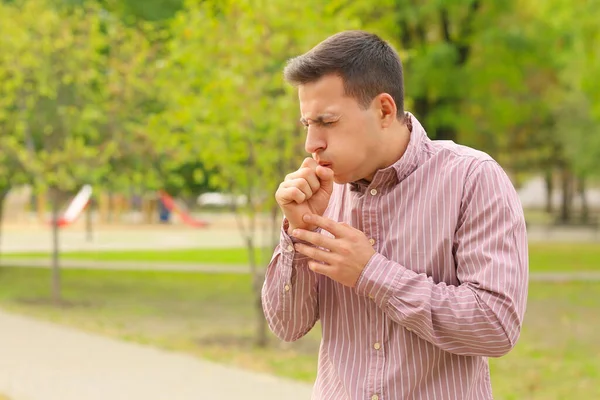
387	109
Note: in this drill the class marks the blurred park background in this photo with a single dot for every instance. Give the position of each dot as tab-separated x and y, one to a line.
141	143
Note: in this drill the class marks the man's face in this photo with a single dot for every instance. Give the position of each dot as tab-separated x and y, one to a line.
340	134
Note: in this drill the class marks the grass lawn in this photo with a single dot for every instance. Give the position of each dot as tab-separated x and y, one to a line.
211	316
543	257
208	256
564	257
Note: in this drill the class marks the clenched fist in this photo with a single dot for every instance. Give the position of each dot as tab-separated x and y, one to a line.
306	191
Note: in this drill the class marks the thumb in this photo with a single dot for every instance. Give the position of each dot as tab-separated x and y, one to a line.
325	175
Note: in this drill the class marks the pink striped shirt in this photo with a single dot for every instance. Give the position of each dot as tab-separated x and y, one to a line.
446	289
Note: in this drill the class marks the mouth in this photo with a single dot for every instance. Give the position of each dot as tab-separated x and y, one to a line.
325	164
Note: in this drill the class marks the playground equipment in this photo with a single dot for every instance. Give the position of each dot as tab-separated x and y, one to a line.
83	197
171	205
76	207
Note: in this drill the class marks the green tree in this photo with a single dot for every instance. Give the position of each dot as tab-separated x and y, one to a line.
12	145
127	96
436	41
232	109
60	66
576	97
69	100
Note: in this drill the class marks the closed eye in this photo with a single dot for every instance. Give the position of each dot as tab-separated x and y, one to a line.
324	124
321	121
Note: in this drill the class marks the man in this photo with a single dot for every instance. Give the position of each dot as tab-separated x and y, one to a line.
411	252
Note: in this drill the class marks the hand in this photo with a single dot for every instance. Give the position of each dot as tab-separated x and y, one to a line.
342	258
306	191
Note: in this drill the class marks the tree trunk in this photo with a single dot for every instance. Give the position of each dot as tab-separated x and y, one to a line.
549	191
273	234
88	221
111	205
56	289
261	323
3	193
585	210
567	196
257	281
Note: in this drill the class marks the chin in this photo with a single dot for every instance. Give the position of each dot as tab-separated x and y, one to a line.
340	180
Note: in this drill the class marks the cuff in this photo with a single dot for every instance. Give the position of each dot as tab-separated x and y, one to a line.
378	279
286	243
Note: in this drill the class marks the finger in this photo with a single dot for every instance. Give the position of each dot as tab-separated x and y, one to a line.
315	253
331	226
311	177
320	268
315	238
289	195
326	178
301	184
307	174
310	163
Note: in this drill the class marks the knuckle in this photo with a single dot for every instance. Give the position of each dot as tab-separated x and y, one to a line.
305	173
345	249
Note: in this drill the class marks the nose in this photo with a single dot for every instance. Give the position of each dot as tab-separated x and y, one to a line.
315	141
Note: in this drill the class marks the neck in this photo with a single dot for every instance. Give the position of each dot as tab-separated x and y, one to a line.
396	146
392	148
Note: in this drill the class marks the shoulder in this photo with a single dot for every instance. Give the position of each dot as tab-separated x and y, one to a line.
463	162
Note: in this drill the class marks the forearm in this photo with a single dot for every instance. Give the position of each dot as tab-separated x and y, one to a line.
469	319
289	293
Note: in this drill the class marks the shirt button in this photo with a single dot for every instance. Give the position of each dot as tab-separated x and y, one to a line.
374	397
373	192
377	346
287	288
371	296
372	241
290	248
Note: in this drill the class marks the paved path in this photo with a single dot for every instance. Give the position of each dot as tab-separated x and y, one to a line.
35	238
120	239
44	361
124	265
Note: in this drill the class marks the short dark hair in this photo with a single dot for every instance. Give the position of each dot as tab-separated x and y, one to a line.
367	64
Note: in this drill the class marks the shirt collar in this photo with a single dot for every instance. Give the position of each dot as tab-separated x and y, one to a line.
397	172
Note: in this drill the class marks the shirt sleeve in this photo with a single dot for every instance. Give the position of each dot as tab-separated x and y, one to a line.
290	291
482	316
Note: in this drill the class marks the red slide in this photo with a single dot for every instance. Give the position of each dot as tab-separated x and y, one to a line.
76	207
172	206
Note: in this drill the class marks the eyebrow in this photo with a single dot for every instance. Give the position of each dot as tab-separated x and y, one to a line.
320	119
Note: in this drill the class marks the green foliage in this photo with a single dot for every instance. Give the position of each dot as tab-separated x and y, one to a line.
76	96
12	142
190	97
235	112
